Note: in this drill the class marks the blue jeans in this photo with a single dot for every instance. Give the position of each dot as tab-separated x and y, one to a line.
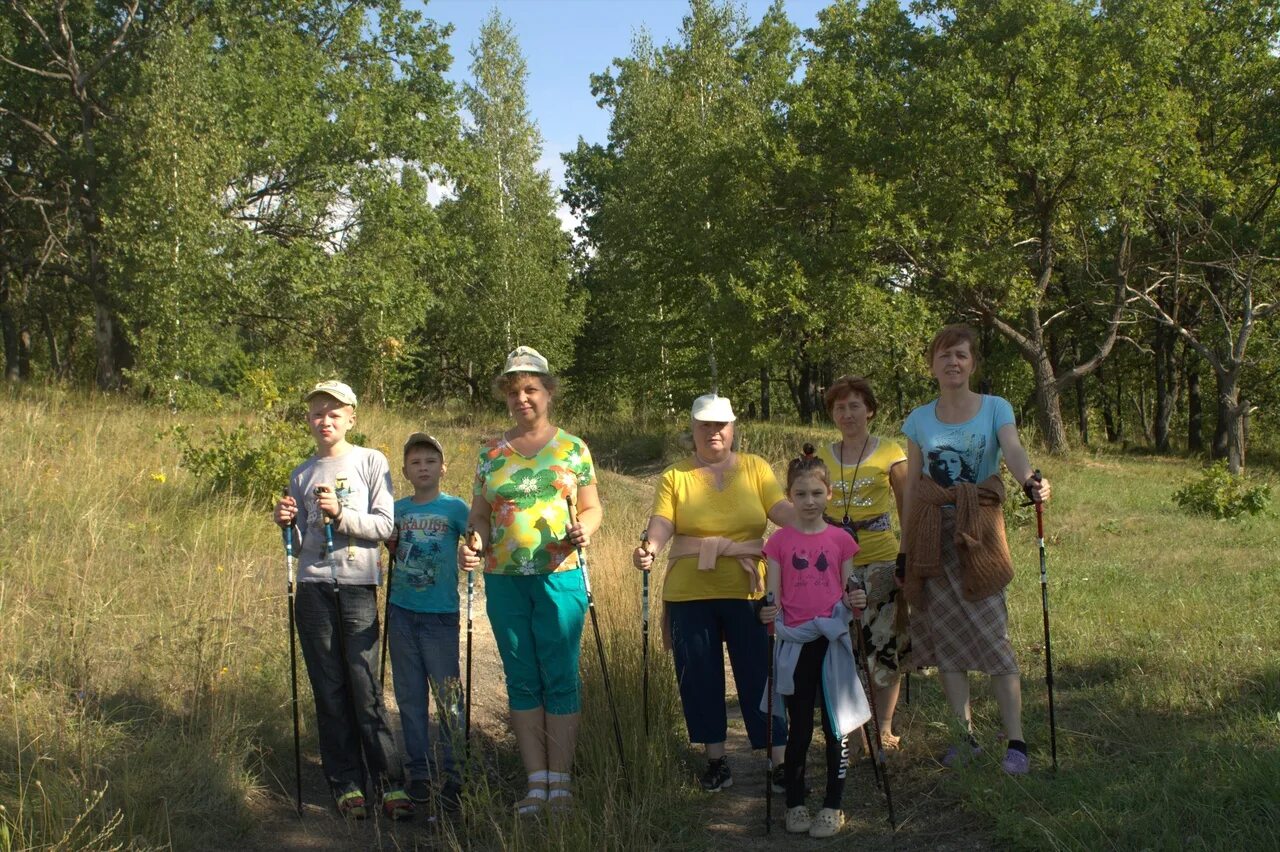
698	631
424	658
350	716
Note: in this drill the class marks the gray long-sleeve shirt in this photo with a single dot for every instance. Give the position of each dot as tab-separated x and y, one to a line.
362	480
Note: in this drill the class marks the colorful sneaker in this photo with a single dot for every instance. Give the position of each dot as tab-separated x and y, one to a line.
1016	762
798	820
778	778
716	776
827	823
396	805
351	805
960	754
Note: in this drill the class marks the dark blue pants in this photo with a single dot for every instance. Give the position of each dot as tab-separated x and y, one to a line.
349	711
699	629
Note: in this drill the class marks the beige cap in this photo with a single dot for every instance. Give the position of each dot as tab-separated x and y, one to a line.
424	439
338	390
713	408
526	359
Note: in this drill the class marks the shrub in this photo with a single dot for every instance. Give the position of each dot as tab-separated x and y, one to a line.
252	460
1220	493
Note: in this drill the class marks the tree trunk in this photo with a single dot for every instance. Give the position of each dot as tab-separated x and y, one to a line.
765	394
1230	417
1166	386
1195	414
1108	420
9	330
805	392
51	340
1049	407
1082	413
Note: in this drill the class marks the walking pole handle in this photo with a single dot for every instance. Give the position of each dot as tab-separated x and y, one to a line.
647	547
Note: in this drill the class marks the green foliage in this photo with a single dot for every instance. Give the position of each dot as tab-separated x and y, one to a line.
1223	494
251	460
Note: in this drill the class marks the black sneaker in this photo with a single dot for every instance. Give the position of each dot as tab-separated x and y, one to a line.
778	778
717	776
451	796
419	789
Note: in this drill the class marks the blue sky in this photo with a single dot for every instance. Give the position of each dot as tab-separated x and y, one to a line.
565	41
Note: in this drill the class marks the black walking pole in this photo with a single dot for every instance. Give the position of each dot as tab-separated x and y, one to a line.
644	632
386	622
1044	605
572	500
293	659
768	728
878	753
473	542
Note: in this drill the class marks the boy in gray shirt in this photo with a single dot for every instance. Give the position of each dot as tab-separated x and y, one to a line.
351	487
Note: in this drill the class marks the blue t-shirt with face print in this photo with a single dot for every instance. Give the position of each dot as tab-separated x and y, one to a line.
959	452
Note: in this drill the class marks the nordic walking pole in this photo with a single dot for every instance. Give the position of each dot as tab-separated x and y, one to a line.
572	500
1044	606
768	728
878	753
386	622
473	542
644	631
293	658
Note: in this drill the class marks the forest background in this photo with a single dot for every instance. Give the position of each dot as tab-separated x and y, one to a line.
200	197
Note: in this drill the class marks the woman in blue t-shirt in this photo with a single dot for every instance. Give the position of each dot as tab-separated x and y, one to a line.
959	621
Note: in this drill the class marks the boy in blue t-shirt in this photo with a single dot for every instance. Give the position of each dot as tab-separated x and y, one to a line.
422	624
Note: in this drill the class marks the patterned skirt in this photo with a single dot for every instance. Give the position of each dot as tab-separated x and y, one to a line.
884	622
955	634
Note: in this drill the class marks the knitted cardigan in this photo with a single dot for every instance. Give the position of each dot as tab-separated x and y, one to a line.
985	564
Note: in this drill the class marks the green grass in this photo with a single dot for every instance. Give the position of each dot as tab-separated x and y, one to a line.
144	699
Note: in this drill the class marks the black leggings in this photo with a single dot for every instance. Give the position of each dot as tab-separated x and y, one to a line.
808	683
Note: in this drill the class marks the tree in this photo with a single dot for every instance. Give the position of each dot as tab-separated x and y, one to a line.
1045	126
508	271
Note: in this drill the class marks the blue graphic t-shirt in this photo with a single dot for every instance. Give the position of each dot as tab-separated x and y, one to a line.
959	452
426	569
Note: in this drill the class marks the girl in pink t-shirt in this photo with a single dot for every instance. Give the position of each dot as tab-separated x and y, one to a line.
809	565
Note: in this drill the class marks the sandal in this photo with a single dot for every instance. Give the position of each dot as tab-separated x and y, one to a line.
351	805
534	800
396	805
889	742
560	796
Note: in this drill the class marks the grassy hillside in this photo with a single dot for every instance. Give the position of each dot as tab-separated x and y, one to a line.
145	697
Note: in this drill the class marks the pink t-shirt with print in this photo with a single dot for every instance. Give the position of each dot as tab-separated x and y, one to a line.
810	577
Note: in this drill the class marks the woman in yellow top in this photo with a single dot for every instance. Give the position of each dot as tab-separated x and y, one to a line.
868	477
534	591
713	509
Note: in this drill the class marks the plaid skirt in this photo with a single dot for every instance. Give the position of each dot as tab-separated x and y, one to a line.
884	622
955	634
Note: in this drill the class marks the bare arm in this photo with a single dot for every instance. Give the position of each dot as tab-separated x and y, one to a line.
1015	458
783	513
915	464
590	514
659	531
898	482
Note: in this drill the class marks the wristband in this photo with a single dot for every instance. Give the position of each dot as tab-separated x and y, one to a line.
900	569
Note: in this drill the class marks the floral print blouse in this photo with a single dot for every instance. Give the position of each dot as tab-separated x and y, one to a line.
526	495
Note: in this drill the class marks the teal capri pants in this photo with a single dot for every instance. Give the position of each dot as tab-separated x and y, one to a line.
537	623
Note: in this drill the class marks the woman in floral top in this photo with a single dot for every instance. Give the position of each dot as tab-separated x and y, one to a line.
534	592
